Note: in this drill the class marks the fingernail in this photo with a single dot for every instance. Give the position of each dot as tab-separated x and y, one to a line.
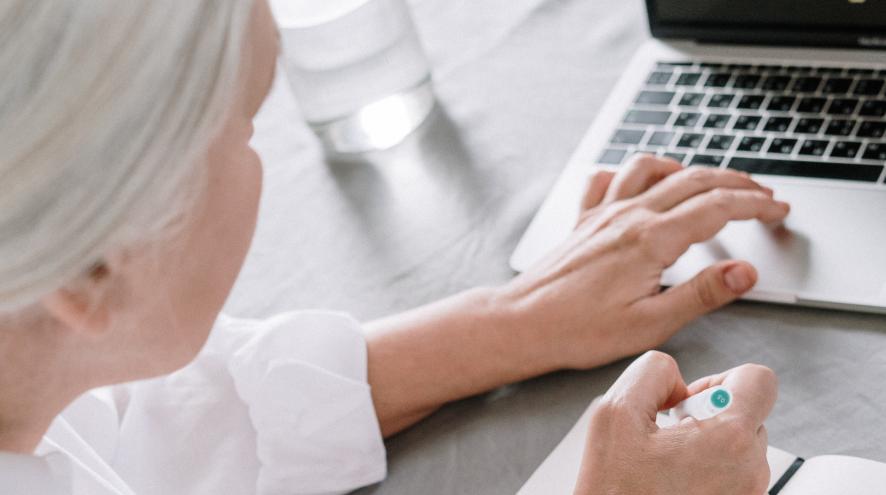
738	279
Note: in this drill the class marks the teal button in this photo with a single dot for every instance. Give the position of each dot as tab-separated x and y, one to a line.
720	399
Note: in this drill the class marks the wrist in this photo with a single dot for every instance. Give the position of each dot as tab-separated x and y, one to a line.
515	313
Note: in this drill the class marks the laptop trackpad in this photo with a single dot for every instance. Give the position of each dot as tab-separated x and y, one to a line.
830	249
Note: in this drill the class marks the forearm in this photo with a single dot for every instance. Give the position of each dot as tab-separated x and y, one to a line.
452	349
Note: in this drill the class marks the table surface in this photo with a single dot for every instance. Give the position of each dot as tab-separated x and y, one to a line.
518	82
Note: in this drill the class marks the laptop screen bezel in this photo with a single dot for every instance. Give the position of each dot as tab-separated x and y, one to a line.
769	34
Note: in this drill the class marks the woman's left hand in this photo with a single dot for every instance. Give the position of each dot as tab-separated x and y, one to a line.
598	297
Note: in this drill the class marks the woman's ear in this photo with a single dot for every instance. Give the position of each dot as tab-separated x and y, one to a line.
83	306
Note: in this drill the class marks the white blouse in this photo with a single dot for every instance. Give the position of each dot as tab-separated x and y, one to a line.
279	406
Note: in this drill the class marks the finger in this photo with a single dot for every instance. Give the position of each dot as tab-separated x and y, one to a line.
598	184
701	217
650	384
693	181
754	389
712	288
640	173
763	438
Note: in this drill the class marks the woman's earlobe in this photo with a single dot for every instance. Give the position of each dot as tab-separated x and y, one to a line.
82	310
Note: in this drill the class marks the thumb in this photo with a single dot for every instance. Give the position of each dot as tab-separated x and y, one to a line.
714	287
650	384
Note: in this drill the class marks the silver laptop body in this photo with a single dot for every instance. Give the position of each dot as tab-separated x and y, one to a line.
808	122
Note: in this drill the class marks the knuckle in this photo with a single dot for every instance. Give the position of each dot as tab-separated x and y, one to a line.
660	359
757	196
721	197
609	411
636	228
762	374
645	160
632	233
705	294
696	173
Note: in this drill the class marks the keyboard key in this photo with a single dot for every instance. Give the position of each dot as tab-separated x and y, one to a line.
781	103
837	85
720	101
861	72
812	105
689	140
655	98
776	83
707	160
845	149
647	117
751	144
691	99
687	119
716	121
873	108
809	126
829	70
718	80
625	136
688	79
778	124
840	128
871	129
868	87
751	102
612	157
669	65
808	84
720	142
782	146
711	66
816	170
680	157
746	122
746	81
813	147
661	138
659	78
842	106
875	151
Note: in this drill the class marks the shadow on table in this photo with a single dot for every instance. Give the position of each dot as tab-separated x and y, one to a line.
414	189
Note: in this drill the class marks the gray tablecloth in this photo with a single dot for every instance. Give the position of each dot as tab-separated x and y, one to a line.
518	82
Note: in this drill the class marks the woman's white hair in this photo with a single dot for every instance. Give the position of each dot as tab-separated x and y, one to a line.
106	107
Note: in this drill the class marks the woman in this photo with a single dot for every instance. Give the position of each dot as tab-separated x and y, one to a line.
128	197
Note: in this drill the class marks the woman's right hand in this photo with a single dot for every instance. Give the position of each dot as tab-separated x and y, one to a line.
627	453
598	296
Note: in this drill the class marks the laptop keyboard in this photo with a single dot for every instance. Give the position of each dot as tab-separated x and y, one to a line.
814	122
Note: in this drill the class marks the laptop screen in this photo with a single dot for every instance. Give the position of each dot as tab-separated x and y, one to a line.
803	22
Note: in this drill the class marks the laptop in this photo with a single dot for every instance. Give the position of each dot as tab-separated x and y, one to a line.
793	92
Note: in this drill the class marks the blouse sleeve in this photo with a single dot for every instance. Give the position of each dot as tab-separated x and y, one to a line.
303	377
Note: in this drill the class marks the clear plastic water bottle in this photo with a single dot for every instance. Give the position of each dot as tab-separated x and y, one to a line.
357	70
